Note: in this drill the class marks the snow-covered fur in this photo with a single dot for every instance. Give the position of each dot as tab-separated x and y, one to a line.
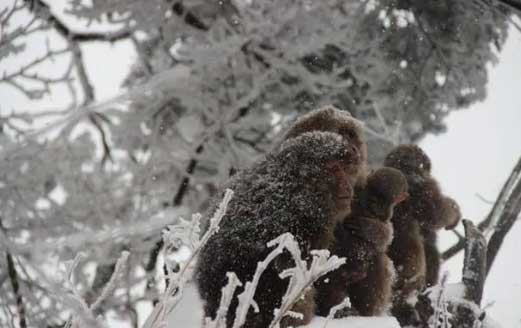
363	239
332	119
298	189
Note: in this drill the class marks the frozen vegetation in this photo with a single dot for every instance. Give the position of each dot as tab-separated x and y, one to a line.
88	182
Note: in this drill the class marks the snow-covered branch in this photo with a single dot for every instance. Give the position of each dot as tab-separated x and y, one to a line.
174	291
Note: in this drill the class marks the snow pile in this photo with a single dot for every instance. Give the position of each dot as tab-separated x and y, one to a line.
189	314
355	322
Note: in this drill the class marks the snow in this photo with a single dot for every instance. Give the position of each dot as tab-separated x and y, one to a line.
355	322
189	314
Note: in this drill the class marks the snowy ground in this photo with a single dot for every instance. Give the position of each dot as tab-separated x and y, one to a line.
189	313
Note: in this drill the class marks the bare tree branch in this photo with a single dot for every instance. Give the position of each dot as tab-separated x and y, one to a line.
474	264
86	85
512	4
43	10
13	277
508	218
505	203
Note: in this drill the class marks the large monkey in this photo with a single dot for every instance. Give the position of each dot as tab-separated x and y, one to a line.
363	239
415	221
303	187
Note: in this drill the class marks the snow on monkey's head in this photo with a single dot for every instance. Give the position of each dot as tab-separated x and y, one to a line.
332	119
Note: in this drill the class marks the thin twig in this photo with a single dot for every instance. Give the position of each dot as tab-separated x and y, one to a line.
13	277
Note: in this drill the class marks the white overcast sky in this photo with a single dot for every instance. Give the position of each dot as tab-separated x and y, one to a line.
474	156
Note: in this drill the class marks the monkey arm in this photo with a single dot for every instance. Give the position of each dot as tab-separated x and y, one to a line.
371	295
451	212
407	252
432	257
436	210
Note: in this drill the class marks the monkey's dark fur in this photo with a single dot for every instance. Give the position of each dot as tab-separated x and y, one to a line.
415	221
362	239
331	119
302	188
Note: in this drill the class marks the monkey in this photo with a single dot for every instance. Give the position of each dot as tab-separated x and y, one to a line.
302	187
332	119
362	239
415	222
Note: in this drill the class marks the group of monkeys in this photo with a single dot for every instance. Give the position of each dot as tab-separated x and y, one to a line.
316	185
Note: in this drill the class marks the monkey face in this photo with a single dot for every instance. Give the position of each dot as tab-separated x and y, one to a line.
331	119
409	159
341	187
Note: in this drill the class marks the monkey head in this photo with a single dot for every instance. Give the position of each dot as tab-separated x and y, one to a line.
323	161
331	119
452	212
386	187
410	159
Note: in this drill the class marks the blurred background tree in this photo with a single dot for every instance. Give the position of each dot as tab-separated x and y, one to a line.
214	84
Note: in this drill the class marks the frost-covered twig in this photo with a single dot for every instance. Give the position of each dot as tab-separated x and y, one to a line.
79	320
302	278
226	299
246	297
111	284
174	291
43	9
333	311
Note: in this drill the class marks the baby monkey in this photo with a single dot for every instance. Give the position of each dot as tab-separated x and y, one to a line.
363	239
415	221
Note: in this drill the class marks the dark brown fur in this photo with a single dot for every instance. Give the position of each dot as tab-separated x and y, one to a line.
413	250
331	119
302	188
362	239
